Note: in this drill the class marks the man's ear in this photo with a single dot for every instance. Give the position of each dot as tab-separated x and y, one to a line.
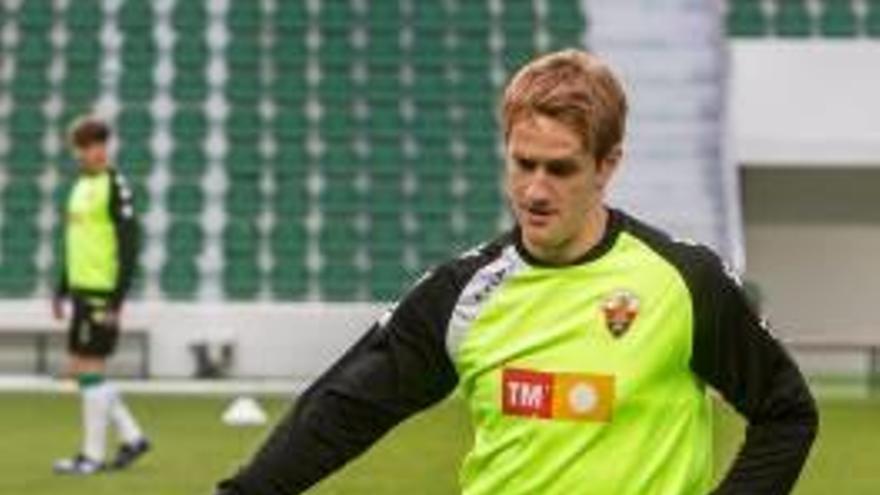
606	167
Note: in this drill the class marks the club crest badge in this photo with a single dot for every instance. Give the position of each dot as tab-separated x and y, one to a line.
620	308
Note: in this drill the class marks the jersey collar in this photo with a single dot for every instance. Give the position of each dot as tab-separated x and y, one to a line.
612	228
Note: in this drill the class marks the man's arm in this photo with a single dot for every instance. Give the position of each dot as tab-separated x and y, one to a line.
735	353
398	368
126	228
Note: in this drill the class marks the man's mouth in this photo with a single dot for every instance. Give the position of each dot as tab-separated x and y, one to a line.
537	216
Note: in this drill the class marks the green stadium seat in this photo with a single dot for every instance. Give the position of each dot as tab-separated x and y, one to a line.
472	53
336	14
291	159
518	16
288	239
290	123
290	199
437	241
190	49
339	160
34	48
188	159
241	238
339	282
746	18
289	279
244	122
136	83
21	198
25	159
81	87
36	14
244	199
19	239
291	17
141	194
135	123
27	123
429	41
244	16
388	279
190	85
184	238
429	17
135	159
566	22
432	199
184	199
838	19
386	161
384	16
30	85
18	277
84	16
383	46
83	49
242	278
338	237
244	87
189	124
872	19
189	16
244	52
471	15
179	278
135	16
244	161
386	236
793	19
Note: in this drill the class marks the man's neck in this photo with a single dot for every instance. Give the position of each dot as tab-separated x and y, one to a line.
590	235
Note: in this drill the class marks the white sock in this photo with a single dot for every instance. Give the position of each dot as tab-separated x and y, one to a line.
95	411
125	424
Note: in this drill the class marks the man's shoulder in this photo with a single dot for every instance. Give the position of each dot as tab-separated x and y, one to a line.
688	256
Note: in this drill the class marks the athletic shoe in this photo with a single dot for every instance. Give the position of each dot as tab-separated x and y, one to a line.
130	452
78	465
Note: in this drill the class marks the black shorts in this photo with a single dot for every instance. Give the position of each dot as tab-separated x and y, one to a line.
90	334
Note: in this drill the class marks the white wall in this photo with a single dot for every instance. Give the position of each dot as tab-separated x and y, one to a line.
805	102
273	340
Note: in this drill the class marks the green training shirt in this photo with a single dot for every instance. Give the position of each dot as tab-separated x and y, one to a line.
100	230
589	378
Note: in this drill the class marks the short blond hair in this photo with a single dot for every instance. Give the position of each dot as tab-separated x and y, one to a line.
575	87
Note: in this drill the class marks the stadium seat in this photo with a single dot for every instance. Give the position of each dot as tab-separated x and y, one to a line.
188	16
18	278
21	198
27	123
84	15
190	85
20	239
291	17
30	86
25	160
135	17
288	239
241	238
388	278
35	14
289	279
793	19
244	17
838	19
339	238
436	241
135	123
244	198
565	20
34	48
184	199
242	278
386	237
135	159
338	281
188	160
746	18
184	238
179	278
290	199
872	19
244	161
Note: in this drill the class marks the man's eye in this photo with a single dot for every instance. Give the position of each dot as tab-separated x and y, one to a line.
527	165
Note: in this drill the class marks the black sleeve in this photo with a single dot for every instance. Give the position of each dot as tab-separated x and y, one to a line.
735	353
127	233
398	368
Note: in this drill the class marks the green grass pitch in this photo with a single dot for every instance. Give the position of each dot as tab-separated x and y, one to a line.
194	449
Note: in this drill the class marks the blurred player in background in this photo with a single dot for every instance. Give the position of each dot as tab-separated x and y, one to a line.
583	341
99	256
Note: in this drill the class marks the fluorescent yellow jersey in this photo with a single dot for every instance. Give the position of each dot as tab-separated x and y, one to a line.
584	379
100	236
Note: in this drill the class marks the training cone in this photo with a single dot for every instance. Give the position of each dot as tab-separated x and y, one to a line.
244	411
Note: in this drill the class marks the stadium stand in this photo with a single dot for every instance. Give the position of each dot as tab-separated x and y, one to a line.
803	18
341	153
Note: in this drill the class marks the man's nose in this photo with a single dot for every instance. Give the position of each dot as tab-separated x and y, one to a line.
537	189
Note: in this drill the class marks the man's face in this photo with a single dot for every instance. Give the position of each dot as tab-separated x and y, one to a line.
553	185
92	157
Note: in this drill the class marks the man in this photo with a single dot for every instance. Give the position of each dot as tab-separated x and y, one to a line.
584	342
100	252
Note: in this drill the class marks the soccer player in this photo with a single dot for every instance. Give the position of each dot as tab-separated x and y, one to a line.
100	251
583	341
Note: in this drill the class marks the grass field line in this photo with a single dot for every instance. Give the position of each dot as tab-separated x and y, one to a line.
289	387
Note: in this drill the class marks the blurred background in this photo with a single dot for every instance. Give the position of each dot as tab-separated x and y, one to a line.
297	164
